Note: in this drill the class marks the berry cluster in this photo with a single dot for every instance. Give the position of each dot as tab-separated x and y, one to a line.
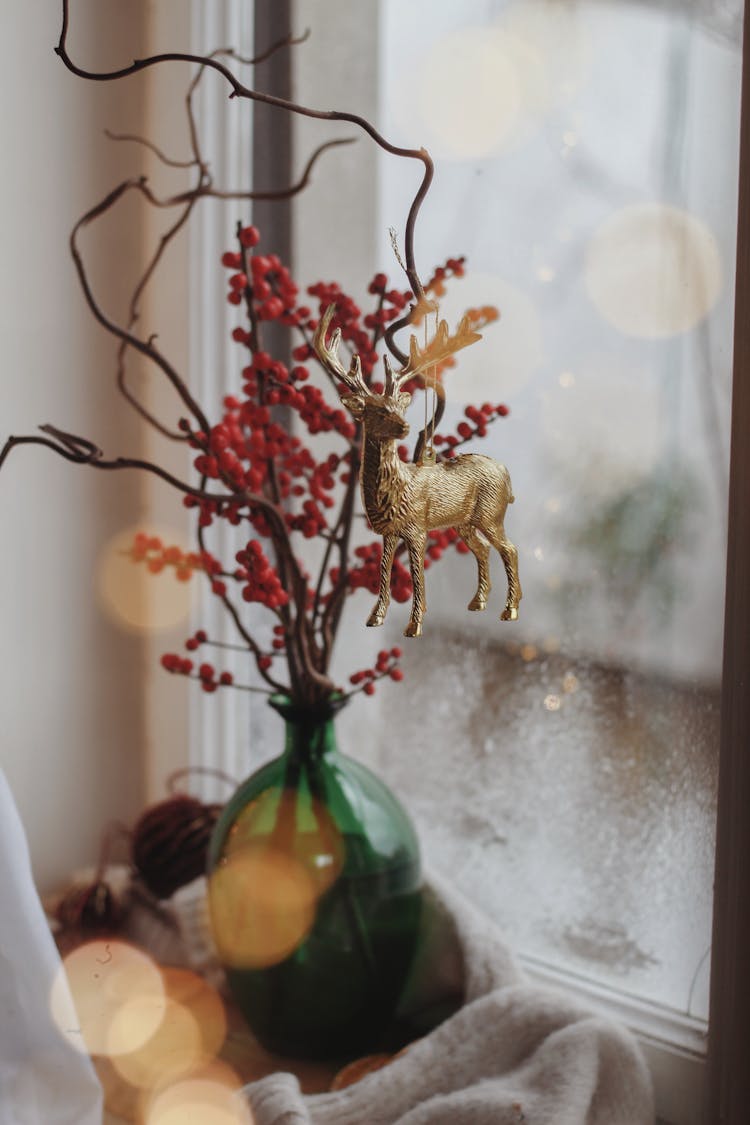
261	469
478	418
198	639
261	582
387	664
206	673
262	279
173	662
151	550
454	267
365	573
208	678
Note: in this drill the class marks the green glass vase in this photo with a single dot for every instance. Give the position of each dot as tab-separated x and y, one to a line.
315	895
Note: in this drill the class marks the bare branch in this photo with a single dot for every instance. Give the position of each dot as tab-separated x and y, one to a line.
151	147
287	41
148	347
187	200
239	89
81	451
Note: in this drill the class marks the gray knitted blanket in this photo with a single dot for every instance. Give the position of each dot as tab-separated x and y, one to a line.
513	1054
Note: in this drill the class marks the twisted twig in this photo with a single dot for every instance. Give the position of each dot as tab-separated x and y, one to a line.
239	89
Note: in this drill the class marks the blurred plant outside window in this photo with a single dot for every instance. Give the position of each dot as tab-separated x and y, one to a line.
563	770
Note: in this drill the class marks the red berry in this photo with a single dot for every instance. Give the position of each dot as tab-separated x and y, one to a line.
226	678
271	309
249	237
259	266
231	260
369	688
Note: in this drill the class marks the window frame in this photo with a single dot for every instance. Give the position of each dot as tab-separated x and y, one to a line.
729	1011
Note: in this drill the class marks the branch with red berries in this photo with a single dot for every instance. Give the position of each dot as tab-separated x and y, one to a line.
257	464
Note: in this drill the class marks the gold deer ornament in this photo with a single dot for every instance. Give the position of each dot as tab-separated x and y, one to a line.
405	501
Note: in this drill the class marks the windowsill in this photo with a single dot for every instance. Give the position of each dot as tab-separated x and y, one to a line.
674	1044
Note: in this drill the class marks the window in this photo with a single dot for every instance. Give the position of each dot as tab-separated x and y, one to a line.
565	770
590	217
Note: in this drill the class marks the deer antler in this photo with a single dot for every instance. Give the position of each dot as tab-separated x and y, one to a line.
440	347
328	355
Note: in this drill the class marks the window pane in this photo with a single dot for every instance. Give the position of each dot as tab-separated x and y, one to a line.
564	768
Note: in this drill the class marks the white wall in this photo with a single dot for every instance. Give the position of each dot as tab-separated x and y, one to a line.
71	686
93	726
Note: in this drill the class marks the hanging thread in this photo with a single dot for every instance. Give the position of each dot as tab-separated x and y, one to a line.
430	393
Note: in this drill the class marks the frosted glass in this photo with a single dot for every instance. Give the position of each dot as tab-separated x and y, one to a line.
574	803
563	769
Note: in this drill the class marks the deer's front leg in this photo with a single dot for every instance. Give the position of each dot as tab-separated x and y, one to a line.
377	617
416	546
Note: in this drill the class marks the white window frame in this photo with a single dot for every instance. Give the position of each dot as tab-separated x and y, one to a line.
218	727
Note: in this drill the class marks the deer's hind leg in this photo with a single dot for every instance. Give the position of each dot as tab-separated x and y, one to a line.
480	549
416	546
509	555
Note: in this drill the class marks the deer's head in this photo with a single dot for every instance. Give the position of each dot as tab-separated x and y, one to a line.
384	414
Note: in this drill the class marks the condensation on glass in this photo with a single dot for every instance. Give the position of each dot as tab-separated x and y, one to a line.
563	768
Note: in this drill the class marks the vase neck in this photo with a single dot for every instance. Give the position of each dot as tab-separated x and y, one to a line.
310	739
310	731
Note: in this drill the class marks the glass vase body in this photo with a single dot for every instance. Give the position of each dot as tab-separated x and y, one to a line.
315	895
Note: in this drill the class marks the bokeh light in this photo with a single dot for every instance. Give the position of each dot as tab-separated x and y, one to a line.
175	1049
204	1003
653	270
262	904
479	90
212	1097
118	994
468	93
510	350
561	41
133	597
297	824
